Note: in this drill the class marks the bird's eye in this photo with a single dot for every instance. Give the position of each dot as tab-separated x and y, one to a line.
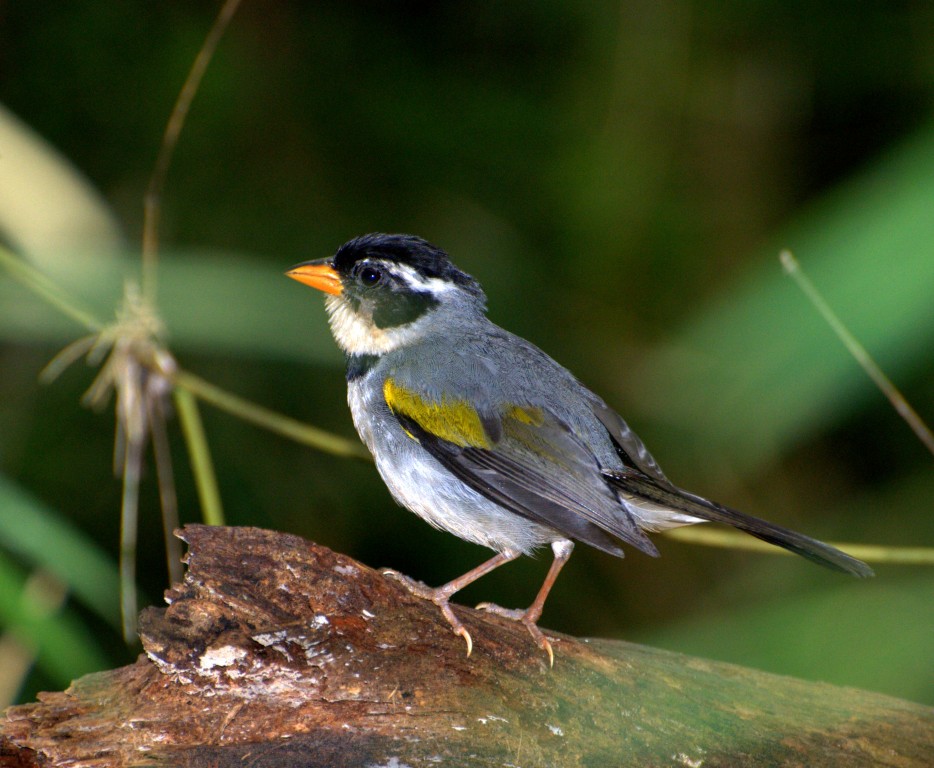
370	275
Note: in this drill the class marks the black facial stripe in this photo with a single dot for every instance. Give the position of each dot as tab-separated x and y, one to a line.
402	307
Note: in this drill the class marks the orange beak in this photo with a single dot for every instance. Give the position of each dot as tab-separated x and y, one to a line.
318	274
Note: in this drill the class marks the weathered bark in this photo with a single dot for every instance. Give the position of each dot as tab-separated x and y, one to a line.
275	651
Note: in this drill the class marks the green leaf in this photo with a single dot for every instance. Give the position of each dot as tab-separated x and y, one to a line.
760	369
65	647
43	538
210	302
45	202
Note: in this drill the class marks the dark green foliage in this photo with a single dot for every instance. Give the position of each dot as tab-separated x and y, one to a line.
620	180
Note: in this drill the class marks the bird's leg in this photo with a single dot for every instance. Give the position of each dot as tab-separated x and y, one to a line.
441	595
530	616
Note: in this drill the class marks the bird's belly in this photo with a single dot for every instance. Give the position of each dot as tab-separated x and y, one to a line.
420	484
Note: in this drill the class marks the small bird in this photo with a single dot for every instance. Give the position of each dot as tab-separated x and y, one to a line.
483	435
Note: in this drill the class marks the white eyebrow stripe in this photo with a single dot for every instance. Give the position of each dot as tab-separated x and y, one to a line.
415	280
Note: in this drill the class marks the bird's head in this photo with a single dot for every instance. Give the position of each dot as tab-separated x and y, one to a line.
386	291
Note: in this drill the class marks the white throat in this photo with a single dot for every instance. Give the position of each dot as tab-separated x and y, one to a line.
357	334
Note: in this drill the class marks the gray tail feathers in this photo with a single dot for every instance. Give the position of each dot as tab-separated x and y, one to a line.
670	496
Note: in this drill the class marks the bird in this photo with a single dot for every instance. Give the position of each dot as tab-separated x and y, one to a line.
483	435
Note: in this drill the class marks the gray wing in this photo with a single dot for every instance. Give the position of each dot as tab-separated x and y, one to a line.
630	449
537	468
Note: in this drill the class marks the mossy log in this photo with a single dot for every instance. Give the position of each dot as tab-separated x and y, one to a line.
275	651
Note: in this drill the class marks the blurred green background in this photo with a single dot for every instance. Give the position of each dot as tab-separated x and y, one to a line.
619	176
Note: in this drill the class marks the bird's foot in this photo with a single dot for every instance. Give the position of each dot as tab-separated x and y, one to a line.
417	588
438	595
527	619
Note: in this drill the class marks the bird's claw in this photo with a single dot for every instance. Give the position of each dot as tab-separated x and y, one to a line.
455	622
462	631
528	621
438	596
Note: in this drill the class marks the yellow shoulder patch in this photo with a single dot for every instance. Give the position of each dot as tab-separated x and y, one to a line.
453	420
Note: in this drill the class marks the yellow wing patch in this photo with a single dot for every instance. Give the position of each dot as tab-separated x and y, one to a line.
453	420
521	424
531	416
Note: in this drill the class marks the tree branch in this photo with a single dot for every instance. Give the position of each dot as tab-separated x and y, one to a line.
275	651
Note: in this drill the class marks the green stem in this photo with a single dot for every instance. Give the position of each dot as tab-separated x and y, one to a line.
901	405
173	130
871	553
37	282
263	417
200	454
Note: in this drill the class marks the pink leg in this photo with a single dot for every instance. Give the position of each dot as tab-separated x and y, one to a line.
530	616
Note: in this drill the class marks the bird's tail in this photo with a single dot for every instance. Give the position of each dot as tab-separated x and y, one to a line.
641	486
